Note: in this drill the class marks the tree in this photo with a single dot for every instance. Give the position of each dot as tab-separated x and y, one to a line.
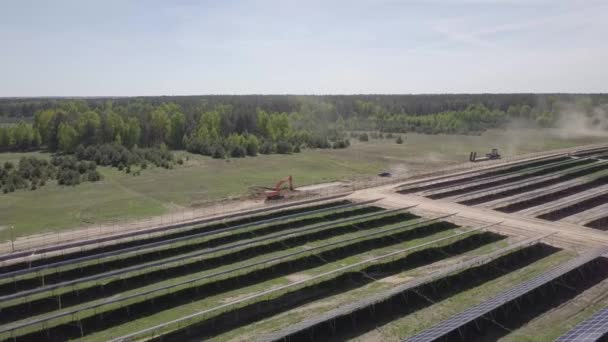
23	136
252	145
111	124
131	132
209	126
6	139
42	123
159	125
88	125
68	138
177	130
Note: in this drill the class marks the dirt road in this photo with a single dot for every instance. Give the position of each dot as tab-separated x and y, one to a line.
566	235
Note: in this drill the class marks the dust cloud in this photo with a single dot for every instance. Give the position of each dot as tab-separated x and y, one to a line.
576	122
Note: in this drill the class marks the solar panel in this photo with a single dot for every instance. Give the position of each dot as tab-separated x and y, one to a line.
590	330
377	298
459	320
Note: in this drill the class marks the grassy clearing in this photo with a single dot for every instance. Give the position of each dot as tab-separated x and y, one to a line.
200	179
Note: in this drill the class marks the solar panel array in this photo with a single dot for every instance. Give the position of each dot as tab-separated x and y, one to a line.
372	300
459	320
590	330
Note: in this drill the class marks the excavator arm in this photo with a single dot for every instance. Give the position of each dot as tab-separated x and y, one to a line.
276	192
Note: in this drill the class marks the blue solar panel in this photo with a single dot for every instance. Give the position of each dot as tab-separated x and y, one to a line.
377	298
459	320
590	330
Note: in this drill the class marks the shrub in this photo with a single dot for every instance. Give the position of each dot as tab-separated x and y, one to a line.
93	176
399	140
341	144
267	148
363	137
238	152
218	152
283	147
252	145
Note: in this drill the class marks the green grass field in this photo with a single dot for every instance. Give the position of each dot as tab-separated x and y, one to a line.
200	179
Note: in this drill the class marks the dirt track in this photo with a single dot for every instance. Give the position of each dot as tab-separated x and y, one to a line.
567	235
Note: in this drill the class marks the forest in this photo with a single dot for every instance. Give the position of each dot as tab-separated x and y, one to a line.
237	126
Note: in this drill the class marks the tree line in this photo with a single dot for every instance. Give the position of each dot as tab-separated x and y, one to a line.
422	104
209	130
238	126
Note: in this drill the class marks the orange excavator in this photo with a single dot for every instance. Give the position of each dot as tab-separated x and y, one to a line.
276	192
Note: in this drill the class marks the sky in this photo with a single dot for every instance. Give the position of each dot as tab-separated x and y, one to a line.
189	47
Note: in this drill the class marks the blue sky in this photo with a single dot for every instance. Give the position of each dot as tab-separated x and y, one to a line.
122	47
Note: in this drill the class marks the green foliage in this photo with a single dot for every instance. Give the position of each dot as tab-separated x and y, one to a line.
199	123
274	126
284	147
33	173
22	137
218	152
177	129
267	148
252	145
67	137
118	156
341	144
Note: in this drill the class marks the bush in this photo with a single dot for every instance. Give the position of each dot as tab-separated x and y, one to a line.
399	140
33	173
180	161
218	152
238	152
267	148
116	155
296	149
252	145
341	144
363	137
283	147
93	176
